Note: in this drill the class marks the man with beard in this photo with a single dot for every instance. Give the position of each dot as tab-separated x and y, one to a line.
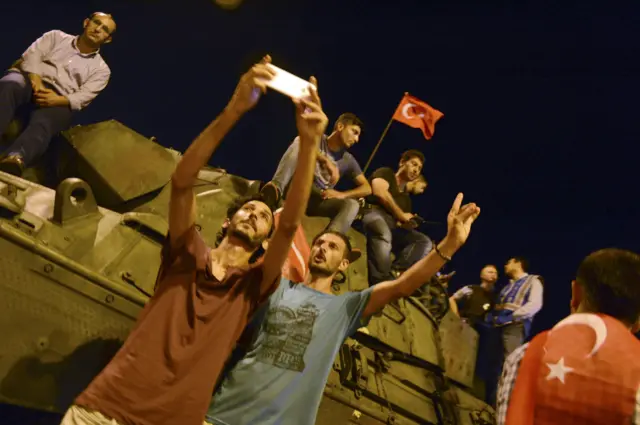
57	75
334	162
475	301
518	303
388	221
166	370
281	378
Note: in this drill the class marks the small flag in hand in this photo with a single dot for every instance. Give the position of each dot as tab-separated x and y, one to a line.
417	114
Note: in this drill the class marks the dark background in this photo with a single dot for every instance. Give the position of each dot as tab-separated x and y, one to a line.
540	104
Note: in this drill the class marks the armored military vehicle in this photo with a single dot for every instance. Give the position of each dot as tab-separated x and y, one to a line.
80	240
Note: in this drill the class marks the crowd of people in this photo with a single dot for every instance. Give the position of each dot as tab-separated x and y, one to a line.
206	297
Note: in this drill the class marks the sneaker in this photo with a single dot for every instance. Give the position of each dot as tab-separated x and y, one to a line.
271	194
12	164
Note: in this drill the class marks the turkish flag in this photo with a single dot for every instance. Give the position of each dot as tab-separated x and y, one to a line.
417	114
584	371
295	266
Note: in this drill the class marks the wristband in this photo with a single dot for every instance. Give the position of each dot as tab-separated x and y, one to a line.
444	257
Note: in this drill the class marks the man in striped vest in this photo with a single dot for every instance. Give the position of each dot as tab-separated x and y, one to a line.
518	303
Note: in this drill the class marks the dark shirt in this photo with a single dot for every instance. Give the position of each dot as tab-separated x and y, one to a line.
165	372
474	302
402	199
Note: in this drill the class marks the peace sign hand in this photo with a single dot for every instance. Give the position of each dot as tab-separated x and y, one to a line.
459	222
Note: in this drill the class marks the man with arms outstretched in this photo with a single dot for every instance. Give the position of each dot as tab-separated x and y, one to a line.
166	370
282	377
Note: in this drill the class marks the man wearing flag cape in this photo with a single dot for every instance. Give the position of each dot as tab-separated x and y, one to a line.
586	370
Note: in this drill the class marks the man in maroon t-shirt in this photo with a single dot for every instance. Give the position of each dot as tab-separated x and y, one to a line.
166	370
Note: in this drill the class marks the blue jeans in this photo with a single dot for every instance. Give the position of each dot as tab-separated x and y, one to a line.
342	212
43	124
384	237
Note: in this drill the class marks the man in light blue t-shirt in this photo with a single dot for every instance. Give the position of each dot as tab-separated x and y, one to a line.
282	377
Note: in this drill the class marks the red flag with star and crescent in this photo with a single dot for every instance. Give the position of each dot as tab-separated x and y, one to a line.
417	114
585	371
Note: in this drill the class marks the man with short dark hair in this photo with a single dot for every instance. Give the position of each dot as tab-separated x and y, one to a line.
281	378
166	370
518	303
388	221
334	163
58	75
586	370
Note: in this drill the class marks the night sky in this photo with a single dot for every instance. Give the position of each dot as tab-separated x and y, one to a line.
540	104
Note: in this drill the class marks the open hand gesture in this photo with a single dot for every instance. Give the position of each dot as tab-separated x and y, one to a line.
459	221
251	86
310	119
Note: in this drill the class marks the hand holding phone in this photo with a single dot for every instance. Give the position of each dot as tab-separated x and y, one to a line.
416	220
288	84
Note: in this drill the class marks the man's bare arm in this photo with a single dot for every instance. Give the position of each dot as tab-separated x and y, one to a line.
453	305
182	207
362	189
182	204
459	223
380	188
311	122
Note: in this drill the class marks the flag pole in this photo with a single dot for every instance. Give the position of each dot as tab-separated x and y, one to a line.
384	133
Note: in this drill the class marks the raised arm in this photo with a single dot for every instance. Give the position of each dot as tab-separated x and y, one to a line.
459	223
311	122
182	207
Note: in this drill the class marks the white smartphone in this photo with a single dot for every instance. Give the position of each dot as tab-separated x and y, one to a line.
289	84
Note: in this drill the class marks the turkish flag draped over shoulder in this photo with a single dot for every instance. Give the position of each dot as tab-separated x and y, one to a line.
417	114
585	371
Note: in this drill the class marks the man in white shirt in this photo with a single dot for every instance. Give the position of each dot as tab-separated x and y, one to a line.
56	76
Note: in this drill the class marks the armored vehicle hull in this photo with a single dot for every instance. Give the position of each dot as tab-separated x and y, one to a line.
79	261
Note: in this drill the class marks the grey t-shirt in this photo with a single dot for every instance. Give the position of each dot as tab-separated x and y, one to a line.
346	163
282	377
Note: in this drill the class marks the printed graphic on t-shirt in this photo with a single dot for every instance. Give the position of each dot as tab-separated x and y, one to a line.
288	333
323	173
